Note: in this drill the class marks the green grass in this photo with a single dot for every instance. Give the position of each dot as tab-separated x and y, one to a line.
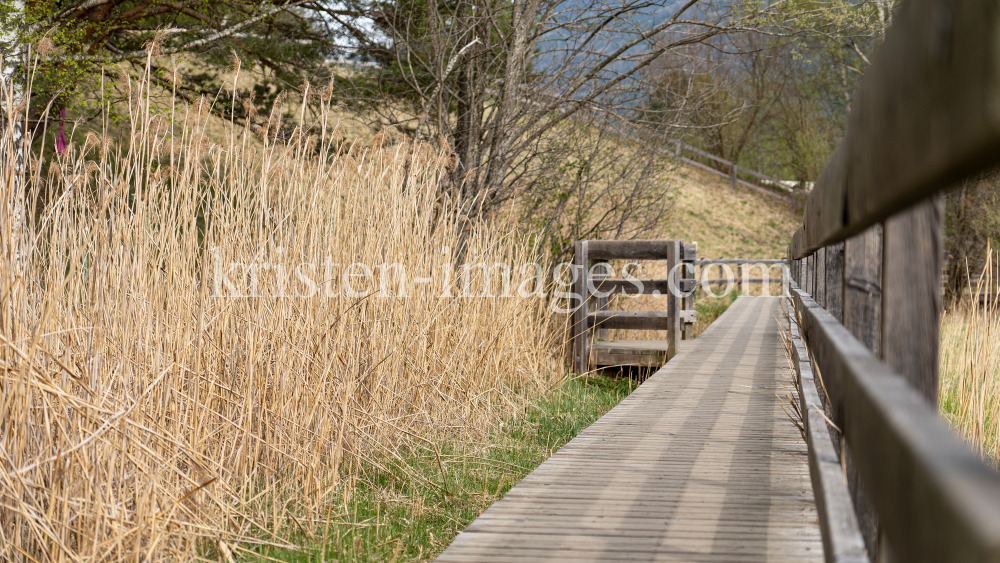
413	507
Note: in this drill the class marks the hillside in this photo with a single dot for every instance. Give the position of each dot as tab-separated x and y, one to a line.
728	223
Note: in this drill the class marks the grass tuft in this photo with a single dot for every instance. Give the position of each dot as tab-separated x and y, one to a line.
410	508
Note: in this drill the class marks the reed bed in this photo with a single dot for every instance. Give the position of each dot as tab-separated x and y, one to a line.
185	374
970	367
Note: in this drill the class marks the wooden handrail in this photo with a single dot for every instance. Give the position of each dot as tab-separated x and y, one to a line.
866	265
925	116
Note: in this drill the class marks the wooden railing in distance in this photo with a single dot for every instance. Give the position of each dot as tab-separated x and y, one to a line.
866	265
767	185
588	282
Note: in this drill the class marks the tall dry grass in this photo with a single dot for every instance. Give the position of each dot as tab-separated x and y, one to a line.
149	412
970	367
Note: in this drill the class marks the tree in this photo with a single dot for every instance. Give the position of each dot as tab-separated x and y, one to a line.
504	84
518	89
68	45
774	97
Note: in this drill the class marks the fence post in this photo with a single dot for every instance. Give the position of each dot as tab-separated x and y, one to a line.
732	170
862	316
688	272
673	301
820	293
580	352
912	252
804	274
601	302
835	280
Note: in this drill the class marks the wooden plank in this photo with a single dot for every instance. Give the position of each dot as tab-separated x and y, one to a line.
636	286
797	248
863	287
581	265
771	182
807	282
635	320
734	281
936	499
673	300
628	249
842	539
926	114
819	293
835	280
699	463
733	261
599	272
824	209
630	346
688	315
646	359
913	248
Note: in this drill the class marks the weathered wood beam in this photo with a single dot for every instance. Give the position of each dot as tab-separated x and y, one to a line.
614	286
638	320
581	266
842	540
628	249
936	498
927	114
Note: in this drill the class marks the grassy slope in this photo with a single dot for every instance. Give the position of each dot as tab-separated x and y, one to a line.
729	223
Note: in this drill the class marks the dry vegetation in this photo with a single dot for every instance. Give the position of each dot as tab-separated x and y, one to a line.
729	223
149	412
970	368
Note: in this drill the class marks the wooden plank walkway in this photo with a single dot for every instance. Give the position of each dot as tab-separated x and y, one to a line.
700	463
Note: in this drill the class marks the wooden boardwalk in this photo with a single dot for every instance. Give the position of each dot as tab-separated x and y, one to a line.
700	463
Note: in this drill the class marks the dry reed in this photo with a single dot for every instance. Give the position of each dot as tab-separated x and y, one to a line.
970	367
152	409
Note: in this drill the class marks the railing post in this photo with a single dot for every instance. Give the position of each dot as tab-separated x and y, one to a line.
601	301
820	293
580	352
732	169
834	293
862	316
806	275
688	271
739	278
673	301
912	253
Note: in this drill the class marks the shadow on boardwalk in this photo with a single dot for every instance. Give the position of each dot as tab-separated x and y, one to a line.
700	463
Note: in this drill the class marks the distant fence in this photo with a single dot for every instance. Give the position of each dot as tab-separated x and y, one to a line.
766	185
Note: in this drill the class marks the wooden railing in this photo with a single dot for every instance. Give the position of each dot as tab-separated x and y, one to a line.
675	320
765	184
593	319
892	480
